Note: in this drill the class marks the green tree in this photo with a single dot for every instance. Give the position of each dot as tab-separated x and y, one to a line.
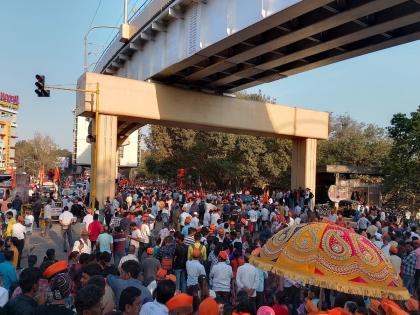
40	150
402	184
354	143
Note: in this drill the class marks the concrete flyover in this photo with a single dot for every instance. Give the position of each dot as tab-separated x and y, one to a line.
125	102
226	46
187	47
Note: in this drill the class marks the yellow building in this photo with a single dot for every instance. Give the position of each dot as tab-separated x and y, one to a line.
9	105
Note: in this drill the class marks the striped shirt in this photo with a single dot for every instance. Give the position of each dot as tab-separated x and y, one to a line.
189	240
409	264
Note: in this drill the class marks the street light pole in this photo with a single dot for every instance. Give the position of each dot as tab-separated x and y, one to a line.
125	11
95	152
85	38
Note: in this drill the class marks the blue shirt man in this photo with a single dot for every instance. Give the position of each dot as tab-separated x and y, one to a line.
7	270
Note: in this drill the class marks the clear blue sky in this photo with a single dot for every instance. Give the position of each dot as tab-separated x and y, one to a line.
47	37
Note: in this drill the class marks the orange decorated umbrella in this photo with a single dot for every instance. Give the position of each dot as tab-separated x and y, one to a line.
332	257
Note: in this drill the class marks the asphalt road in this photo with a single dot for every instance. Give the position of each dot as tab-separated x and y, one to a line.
40	244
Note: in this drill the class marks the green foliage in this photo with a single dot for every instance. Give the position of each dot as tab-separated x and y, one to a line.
353	143
218	159
41	150
402	185
229	160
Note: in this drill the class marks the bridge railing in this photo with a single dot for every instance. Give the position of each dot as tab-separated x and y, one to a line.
140	18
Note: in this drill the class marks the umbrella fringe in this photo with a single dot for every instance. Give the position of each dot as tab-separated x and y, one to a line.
356	289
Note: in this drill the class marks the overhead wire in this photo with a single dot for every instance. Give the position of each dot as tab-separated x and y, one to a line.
94	15
133	11
117	22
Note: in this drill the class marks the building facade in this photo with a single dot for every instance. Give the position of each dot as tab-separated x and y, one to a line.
9	106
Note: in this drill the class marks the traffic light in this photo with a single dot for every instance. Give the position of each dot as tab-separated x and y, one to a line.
40	86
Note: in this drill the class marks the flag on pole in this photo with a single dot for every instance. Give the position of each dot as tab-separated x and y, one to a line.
41	175
56	178
12	172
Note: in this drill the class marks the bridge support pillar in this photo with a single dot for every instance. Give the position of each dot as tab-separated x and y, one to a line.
304	164
106	157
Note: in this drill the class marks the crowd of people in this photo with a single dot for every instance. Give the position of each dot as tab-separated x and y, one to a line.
157	250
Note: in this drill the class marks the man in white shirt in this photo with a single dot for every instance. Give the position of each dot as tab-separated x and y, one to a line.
130	256
183	216
247	279
144	235
206	219
115	204
220	278
29	223
88	219
386	246
214	216
188	204
253	217
378	240
129	201
195	221
18	231
394	259
135	237
47	218
265	214
66	219
209	206
83	245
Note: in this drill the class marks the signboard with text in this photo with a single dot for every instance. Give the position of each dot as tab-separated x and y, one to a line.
9	101
337	193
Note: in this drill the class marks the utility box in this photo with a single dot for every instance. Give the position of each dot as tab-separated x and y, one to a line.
124	33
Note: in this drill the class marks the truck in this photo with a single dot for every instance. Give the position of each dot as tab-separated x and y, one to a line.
47	189
22	186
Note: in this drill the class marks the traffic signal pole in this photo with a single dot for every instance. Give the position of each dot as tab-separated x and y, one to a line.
95	148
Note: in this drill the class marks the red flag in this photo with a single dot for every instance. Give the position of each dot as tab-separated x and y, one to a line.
12	172
41	175
56	177
266	196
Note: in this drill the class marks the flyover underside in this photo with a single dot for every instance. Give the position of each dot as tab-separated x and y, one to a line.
335	31
304	36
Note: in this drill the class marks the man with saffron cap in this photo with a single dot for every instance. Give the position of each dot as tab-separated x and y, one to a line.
199	246
208	307
194	268
181	303
220	278
149	266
